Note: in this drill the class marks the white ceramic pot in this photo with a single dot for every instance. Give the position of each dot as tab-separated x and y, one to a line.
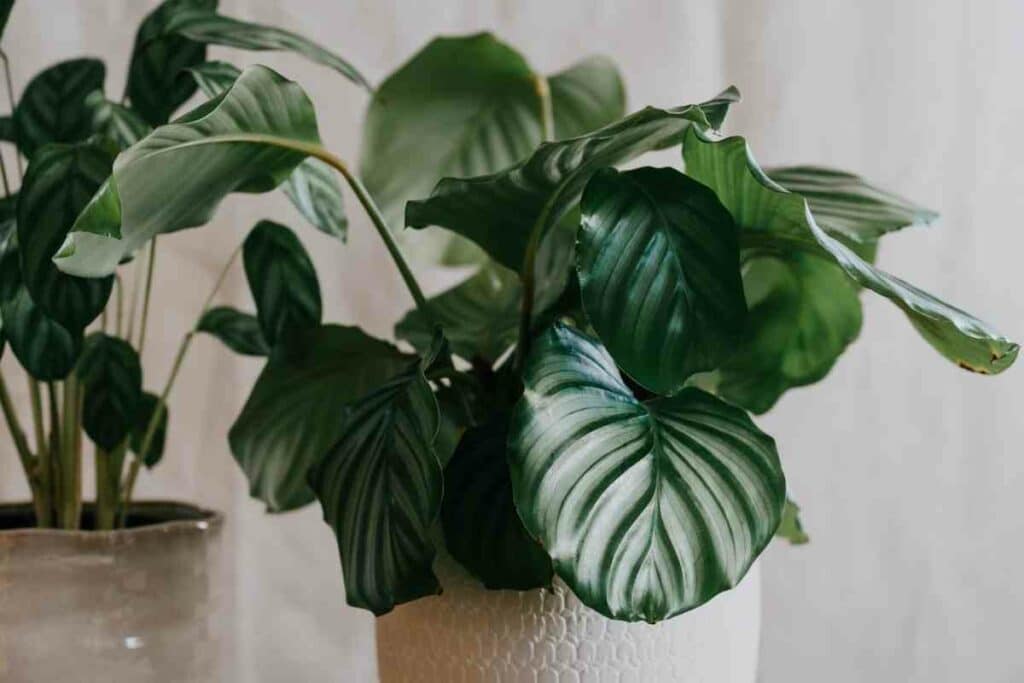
150	603
469	634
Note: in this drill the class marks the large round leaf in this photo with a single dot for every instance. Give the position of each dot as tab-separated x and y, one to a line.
804	312
647	509
659	268
111	374
244	141
155	85
59	183
282	280
380	487
46	349
770	217
482	529
52	108
296	410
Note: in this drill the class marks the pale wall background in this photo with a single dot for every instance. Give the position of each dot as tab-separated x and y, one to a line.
909	471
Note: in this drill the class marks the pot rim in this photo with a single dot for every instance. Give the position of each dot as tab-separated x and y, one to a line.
203	521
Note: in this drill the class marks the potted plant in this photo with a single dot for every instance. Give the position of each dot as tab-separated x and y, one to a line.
568	426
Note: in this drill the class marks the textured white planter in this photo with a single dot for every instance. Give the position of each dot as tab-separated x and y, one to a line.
470	634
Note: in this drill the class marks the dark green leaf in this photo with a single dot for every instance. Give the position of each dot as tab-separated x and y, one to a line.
482	529
10	262
239	331
846	205
7	129
480	317
647	509
282	281
297	408
499	211
44	348
380	488
773	218
116	122
147	407
59	183
312	187
586	96
790	527
659	268
214	29
52	108
155	86
244	141
111	374
804	312
5	13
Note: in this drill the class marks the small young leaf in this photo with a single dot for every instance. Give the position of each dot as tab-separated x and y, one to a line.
482	529
772	217
47	350
499	211
52	108
380	488
210	28
239	331
155	86
111	374
480	317
241	142
790	528
147	407
588	95
59	183
647	509
282	281
659	266
295	411
116	122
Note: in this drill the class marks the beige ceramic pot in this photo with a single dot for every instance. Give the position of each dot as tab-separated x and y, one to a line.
470	635
147	603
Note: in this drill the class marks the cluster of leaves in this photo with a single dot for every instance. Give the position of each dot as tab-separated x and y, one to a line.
578	406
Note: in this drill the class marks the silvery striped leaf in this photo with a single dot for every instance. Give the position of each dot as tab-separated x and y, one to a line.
659	266
116	122
380	488
771	218
647	509
52	108
846	205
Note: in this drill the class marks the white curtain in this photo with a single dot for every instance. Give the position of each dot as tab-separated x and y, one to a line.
908	470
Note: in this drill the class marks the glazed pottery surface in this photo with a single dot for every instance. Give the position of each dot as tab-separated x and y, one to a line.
146	603
471	634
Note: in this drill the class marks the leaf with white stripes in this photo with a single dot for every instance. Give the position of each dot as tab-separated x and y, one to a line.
312	187
499	211
659	266
647	509
210	28
249	139
846	205
52	108
770	217
380	488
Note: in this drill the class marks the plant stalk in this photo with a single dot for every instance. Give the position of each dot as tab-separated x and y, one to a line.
70	465
28	461
150	264
48	484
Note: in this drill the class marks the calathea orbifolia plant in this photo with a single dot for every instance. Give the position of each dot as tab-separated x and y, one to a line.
78	340
578	405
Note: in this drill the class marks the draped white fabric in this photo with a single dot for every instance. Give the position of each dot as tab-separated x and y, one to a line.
908	470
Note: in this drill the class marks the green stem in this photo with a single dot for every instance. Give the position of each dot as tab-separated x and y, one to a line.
161	406
24	454
47	481
119	286
70	464
150	264
107	487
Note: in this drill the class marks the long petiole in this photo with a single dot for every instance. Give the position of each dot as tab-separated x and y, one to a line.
150	265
